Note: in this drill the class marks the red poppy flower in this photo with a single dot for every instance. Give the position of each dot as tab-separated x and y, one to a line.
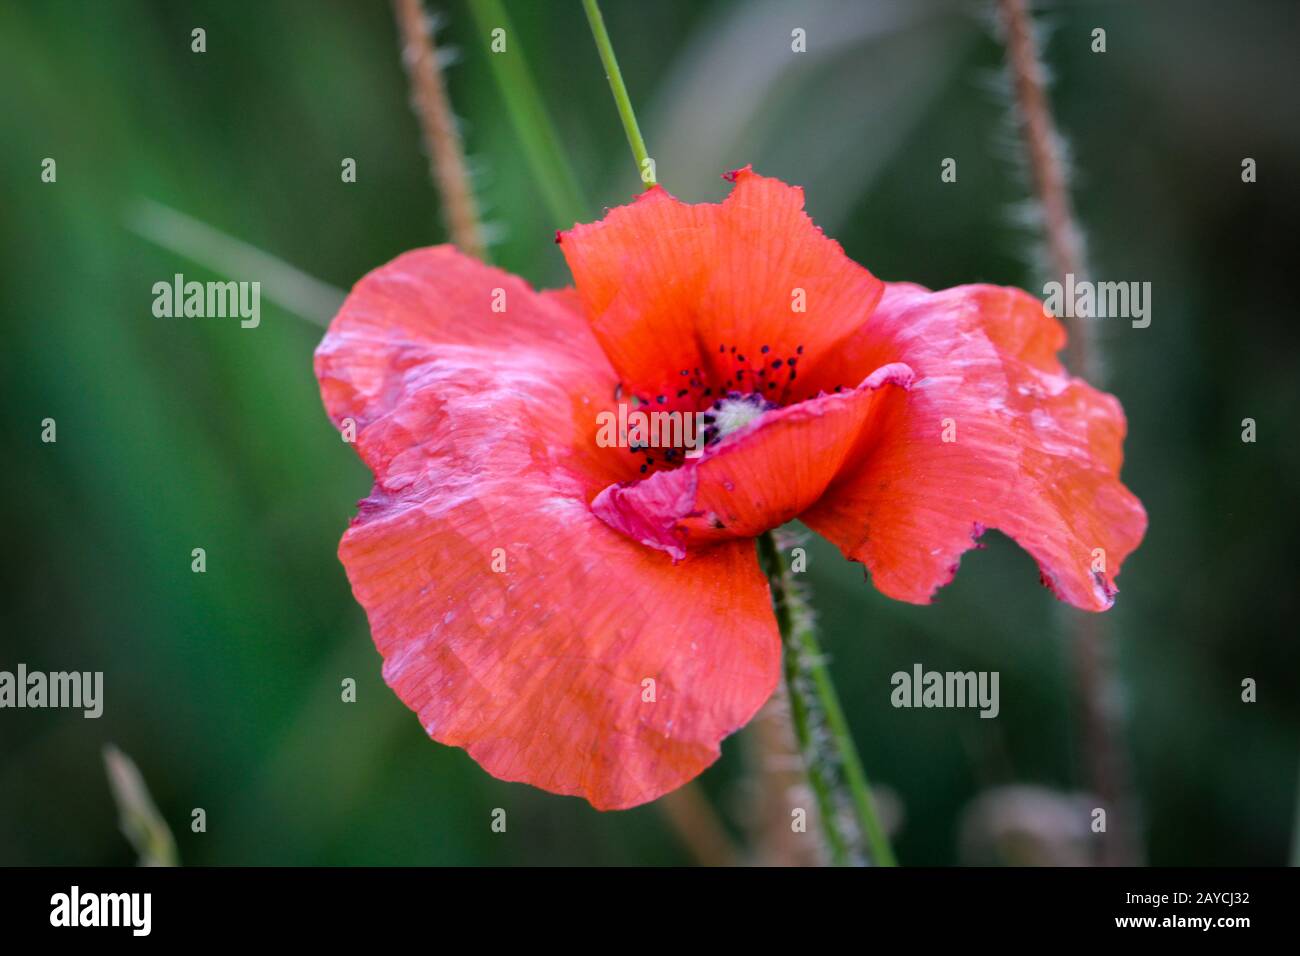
526	585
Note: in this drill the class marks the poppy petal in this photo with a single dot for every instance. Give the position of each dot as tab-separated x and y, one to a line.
712	291
755	479
992	434
513	621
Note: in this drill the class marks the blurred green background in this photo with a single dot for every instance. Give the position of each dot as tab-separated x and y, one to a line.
185	433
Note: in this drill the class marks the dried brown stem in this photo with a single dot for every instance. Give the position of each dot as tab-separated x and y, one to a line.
1043	146
1105	754
695	821
1109	774
780	785
441	139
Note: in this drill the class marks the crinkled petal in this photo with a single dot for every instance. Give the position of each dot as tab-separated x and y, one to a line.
683	294
1032	451
758	478
514	622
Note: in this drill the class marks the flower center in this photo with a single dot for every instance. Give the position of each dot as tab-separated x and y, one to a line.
732	413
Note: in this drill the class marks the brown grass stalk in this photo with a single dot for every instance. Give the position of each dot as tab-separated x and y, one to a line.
441	138
1093	672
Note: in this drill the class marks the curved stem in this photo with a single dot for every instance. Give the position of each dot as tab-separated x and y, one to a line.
621	99
833	766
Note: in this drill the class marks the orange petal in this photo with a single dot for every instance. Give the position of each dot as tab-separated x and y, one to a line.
1034	452
677	291
514	622
755	479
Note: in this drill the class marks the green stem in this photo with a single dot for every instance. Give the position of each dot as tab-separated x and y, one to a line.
551	170
616	86
813	706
